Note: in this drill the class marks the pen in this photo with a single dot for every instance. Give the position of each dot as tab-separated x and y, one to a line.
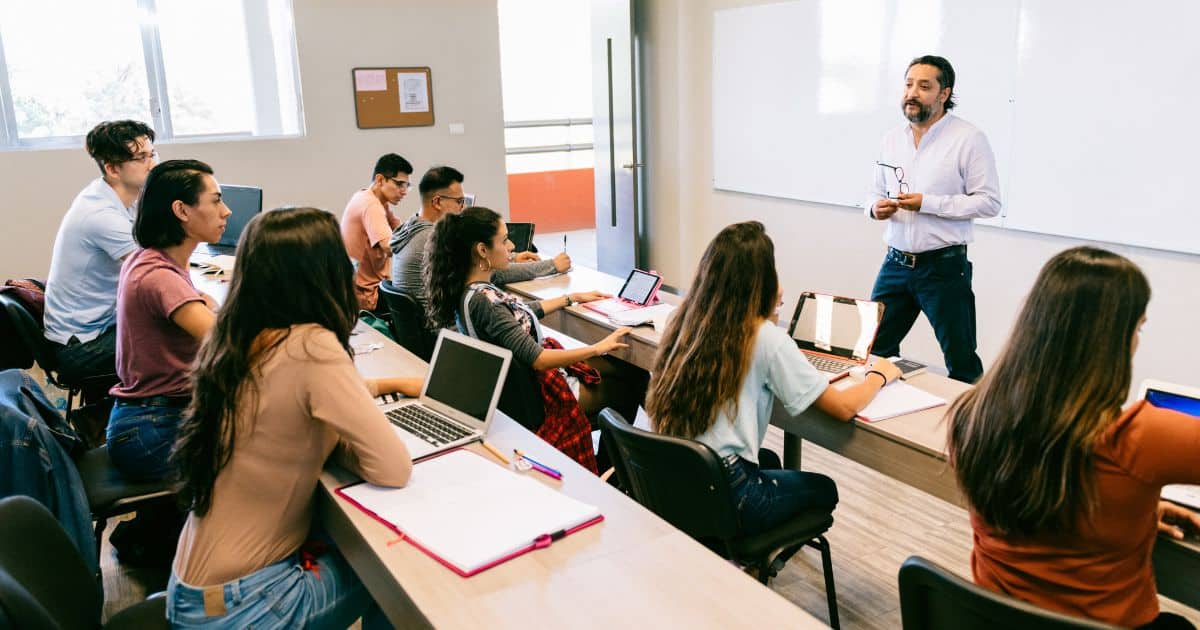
564	243
495	451
542	468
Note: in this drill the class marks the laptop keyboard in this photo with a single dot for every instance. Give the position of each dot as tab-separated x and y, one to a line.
426	425
830	364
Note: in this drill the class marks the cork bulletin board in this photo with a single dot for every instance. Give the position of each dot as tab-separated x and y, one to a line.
393	97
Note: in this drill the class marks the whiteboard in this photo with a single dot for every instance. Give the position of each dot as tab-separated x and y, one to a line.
1108	141
1088	106
803	92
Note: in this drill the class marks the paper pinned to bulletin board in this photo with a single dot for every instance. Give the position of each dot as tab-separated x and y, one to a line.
393	97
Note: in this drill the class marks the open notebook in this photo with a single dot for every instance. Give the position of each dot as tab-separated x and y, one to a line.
897	399
470	514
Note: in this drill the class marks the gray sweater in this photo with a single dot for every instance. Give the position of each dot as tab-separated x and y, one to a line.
495	323
408	245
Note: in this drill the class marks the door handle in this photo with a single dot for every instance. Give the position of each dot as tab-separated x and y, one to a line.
634	165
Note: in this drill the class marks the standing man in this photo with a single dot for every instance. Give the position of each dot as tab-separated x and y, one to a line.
367	223
935	175
94	237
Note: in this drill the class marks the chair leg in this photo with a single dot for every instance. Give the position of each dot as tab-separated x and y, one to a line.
100	525
827	567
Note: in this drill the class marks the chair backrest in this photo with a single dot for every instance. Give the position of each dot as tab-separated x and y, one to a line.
408	321
680	480
932	598
27	331
44	582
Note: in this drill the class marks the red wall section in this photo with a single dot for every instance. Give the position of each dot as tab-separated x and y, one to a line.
557	201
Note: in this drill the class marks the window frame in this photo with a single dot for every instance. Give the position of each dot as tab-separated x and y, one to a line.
264	84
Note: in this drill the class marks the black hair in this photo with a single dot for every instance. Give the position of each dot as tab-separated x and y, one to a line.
945	74
109	142
438	178
297	248
174	180
390	164
449	259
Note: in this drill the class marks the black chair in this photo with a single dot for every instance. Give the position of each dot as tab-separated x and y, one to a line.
31	334
684	482
109	493
44	582
932	598
408	321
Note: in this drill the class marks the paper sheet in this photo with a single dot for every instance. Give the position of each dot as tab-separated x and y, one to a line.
898	399
414	92
370	80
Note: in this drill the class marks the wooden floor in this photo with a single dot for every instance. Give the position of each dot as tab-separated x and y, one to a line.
879	523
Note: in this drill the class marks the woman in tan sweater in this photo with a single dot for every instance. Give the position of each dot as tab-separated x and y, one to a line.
275	393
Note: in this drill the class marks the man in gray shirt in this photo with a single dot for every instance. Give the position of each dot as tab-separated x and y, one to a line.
442	192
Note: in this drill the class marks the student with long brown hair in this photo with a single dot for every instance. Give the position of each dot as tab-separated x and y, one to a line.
275	392
721	363
1063	485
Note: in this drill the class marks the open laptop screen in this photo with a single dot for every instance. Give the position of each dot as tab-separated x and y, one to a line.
464	377
834	325
521	235
1173	401
244	202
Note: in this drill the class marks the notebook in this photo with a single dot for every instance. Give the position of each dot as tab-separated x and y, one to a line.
639	291
1185	400
471	514
835	333
458	400
898	399
245	202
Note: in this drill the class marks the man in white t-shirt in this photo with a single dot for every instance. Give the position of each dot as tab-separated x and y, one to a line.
94	238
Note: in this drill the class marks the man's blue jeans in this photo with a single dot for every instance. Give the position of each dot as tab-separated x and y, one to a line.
940	287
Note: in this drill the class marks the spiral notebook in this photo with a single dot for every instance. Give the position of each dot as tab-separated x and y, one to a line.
470	514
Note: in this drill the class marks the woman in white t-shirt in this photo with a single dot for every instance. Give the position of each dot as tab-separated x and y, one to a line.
723	360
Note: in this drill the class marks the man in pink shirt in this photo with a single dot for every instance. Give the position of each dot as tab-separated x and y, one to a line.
367	223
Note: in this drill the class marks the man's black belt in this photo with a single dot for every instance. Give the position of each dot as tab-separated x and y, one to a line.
906	259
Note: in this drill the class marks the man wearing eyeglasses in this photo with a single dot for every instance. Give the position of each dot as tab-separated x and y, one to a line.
95	236
442	193
933	177
367	223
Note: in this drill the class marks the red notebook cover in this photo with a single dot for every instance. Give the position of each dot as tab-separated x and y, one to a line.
541	542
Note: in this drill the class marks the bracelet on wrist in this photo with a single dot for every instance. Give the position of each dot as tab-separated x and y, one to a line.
870	372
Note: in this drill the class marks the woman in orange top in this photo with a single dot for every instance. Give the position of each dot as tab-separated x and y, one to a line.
1063	485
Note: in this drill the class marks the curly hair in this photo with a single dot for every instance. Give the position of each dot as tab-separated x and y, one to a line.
448	259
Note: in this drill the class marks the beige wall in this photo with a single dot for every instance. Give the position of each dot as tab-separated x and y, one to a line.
457	39
684	212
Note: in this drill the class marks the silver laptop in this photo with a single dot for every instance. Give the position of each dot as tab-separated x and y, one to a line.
459	398
835	333
1184	399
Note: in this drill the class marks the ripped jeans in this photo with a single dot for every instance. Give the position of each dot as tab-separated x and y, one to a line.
766	497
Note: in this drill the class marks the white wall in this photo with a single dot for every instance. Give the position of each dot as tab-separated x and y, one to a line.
457	39
684	212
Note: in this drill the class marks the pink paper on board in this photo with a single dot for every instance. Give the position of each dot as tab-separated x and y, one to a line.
370	80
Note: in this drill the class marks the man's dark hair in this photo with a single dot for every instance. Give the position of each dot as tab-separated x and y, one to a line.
174	180
945	74
439	178
109	142
390	165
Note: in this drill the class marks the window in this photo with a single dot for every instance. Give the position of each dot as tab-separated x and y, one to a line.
191	70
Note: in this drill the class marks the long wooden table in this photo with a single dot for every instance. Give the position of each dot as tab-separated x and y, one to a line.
632	565
909	448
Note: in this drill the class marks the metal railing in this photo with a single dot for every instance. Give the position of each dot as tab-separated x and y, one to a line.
549	148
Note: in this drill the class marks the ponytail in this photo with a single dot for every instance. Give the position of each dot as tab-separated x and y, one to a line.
448	261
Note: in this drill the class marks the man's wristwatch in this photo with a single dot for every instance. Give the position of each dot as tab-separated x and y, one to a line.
570	300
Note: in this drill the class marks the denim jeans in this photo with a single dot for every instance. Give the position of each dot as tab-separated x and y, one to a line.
140	435
940	288
78	360
280	595
766	498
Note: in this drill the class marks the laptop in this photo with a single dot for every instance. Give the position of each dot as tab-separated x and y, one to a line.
835	333
244	203
459	399
521	235
1180	398
639	291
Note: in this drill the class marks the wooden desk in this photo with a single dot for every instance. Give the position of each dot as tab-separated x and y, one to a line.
633	565
587	325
